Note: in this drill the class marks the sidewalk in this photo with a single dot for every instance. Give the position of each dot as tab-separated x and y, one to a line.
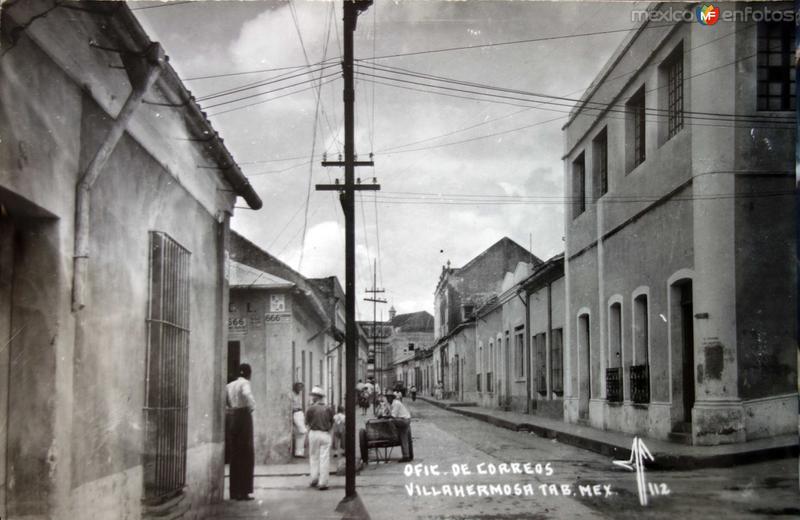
282	492
614	444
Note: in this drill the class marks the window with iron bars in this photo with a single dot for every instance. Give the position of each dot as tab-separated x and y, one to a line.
539	342
776	79
674	76
556	361
519	355
167	367
614	384
640	383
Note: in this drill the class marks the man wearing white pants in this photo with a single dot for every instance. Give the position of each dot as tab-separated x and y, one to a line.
319	421
298	418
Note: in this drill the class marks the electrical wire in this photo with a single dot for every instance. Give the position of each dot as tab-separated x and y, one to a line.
564	101
514	42
260	83
248	105
654	114
251	96
256	71
313	135
162	4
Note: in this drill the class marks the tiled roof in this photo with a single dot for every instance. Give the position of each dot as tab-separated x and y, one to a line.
420	321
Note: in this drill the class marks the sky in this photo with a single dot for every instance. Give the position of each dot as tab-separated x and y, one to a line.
457	174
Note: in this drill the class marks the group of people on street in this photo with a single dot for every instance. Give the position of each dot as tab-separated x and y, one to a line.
391	407
318	425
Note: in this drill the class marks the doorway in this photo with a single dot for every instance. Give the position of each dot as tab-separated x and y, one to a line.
234	359
687	348
584	369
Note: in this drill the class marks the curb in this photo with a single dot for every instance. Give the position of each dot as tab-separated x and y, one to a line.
666	460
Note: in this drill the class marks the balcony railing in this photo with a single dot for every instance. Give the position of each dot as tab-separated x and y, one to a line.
640	383
614	384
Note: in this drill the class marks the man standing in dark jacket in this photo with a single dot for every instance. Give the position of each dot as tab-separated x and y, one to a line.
240	412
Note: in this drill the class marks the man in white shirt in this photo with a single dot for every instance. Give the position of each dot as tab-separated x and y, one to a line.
298	420
402	420
240	413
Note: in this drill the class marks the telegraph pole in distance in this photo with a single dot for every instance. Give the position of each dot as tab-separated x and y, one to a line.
347	197
375	301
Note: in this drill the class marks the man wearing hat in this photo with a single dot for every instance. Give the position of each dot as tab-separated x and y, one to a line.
319	422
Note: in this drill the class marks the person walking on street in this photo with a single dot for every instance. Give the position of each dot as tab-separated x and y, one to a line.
338	431
298	420
241	404
319	420
402	420
413	392
363	400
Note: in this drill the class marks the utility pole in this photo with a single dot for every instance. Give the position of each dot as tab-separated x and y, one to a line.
375	301
347	197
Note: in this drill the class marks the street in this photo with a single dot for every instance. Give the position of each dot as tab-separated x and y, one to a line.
443	438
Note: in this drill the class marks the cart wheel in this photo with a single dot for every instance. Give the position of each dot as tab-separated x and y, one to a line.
362	444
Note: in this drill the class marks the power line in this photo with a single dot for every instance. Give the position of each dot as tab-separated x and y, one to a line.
256	71
476	138
559	100
514	42
463	129
378	240
743	120
162	4
528	108
313	130
312	80
248	105
445	202
261	83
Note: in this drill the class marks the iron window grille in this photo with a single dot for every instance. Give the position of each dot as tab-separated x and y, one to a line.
640	383
478	383
675	93
489	382
167	370
519	349
776	79
614	384
557	362
541	363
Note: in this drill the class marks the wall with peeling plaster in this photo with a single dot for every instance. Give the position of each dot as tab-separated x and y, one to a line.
706	202
76	380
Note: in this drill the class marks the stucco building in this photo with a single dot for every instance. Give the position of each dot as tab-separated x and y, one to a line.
459	293
285	326
113	295
518	342
396	343
680	279
411	332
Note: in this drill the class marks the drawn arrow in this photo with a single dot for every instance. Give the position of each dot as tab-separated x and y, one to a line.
639	452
